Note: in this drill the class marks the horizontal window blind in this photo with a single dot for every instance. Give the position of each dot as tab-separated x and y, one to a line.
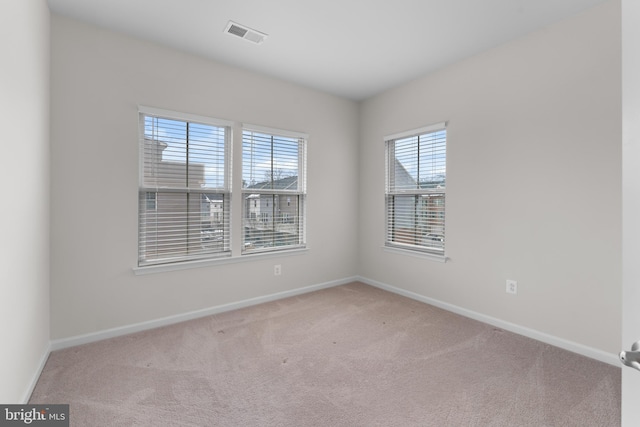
415	190
184	196
273	190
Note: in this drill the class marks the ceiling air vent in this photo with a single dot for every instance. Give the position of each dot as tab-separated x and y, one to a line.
245	32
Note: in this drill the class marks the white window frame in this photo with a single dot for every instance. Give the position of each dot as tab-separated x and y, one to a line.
223	249
434	249
250	192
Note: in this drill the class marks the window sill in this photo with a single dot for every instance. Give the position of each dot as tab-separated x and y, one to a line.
187	265
416	254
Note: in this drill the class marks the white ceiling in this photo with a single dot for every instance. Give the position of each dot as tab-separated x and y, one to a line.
352	48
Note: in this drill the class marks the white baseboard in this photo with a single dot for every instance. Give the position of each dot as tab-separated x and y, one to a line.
36	375
170	320
574	347
590	352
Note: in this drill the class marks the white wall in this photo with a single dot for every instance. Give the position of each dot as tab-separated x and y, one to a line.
98	80
533	185
24	216
631	203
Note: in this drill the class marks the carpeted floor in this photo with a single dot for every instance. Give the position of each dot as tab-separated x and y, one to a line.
351	355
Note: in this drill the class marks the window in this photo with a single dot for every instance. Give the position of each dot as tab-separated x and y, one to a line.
184	189
415	189
273	189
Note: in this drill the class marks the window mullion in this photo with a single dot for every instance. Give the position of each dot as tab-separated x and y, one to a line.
273	174
188	209
416	224
418	163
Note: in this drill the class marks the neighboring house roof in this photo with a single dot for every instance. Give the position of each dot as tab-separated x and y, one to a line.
404	179
288	183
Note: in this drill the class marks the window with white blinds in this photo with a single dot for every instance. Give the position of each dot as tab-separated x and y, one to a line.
273	189
184	191
416	172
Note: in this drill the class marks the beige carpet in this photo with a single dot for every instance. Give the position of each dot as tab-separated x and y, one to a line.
347	356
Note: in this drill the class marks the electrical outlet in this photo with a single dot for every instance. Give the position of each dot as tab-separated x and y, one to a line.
512	287
277	270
